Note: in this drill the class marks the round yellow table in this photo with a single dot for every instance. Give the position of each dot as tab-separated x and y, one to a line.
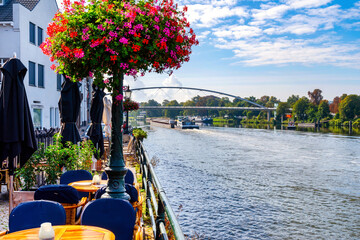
68	232
87	186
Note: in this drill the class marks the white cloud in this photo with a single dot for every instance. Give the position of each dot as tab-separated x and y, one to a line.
210	15
296	4
237	31
284	51
172	81
274	12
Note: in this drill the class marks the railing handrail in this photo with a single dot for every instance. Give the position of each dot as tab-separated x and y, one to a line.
161	204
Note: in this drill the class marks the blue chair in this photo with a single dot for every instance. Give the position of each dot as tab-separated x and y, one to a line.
129	177
116	215
74	176
66	195
32	214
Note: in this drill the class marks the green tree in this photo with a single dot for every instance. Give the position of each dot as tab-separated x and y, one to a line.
281	109
349	107
172	113
323	109
292	100
189	112
152	112
300	107
312	113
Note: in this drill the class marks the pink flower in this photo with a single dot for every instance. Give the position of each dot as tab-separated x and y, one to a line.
106	81
85	37
123	40
101	27
156	19
91	74
85	30
113	34
119	97
157	27
109	21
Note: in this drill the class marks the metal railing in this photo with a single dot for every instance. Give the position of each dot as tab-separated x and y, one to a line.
45	135
158	205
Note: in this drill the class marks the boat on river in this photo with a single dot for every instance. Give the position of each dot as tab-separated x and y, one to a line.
291	126
186	123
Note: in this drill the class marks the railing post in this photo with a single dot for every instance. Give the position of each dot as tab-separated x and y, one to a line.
160	218
148	194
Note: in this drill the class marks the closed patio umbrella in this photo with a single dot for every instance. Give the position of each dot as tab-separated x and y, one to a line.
107	116
69	107
96	112
17	137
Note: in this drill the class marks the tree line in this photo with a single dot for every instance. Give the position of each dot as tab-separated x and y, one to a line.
308	109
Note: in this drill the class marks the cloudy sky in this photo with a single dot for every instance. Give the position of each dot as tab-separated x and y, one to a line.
276	48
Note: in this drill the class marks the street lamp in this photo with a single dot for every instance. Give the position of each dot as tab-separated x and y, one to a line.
127	96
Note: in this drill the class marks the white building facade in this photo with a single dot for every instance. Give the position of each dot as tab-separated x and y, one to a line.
23	25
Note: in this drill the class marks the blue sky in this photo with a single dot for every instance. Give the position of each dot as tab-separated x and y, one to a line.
275	48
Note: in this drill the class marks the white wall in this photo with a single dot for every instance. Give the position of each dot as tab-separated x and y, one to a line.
47	97
11	37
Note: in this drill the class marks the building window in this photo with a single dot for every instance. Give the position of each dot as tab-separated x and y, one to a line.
41	75
40	36
57	118
32	73
37	117
59	82
52	114
32	32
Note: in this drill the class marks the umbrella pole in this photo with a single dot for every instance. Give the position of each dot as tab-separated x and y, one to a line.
116	169
11	192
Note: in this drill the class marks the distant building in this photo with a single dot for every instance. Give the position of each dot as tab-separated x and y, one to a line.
23	25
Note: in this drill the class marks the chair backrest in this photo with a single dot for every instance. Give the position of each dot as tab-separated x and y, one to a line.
116	215
57	193
130	189
32	214
129	177
76	175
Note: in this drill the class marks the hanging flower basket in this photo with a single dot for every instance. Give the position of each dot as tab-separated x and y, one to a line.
107	37
130	105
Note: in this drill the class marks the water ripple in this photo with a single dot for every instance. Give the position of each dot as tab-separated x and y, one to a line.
260	184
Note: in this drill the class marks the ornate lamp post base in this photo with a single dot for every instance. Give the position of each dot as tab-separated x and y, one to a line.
116	169
116	183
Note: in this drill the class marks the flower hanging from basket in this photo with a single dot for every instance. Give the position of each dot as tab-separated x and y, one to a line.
130	105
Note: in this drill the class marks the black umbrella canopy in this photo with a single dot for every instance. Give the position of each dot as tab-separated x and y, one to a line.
96	113
17	137
69	108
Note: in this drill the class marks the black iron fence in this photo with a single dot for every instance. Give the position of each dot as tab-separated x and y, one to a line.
45	135
158	205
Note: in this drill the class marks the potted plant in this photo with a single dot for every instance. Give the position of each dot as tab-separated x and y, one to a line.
139	134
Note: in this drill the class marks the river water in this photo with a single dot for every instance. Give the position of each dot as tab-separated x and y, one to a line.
238	183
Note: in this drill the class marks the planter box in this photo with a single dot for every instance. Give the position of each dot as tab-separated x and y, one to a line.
22	196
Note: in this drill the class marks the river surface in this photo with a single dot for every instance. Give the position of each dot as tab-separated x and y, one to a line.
238	183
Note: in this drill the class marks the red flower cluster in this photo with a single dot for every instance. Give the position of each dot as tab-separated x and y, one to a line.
130	105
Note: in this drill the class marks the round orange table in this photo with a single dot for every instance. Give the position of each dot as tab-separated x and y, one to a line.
78	232
87	186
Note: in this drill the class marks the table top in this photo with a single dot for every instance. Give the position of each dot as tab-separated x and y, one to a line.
87	186
68	232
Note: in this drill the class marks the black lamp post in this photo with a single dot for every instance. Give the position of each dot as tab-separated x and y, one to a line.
127	97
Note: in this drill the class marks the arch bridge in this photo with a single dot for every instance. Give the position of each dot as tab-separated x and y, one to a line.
255	106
